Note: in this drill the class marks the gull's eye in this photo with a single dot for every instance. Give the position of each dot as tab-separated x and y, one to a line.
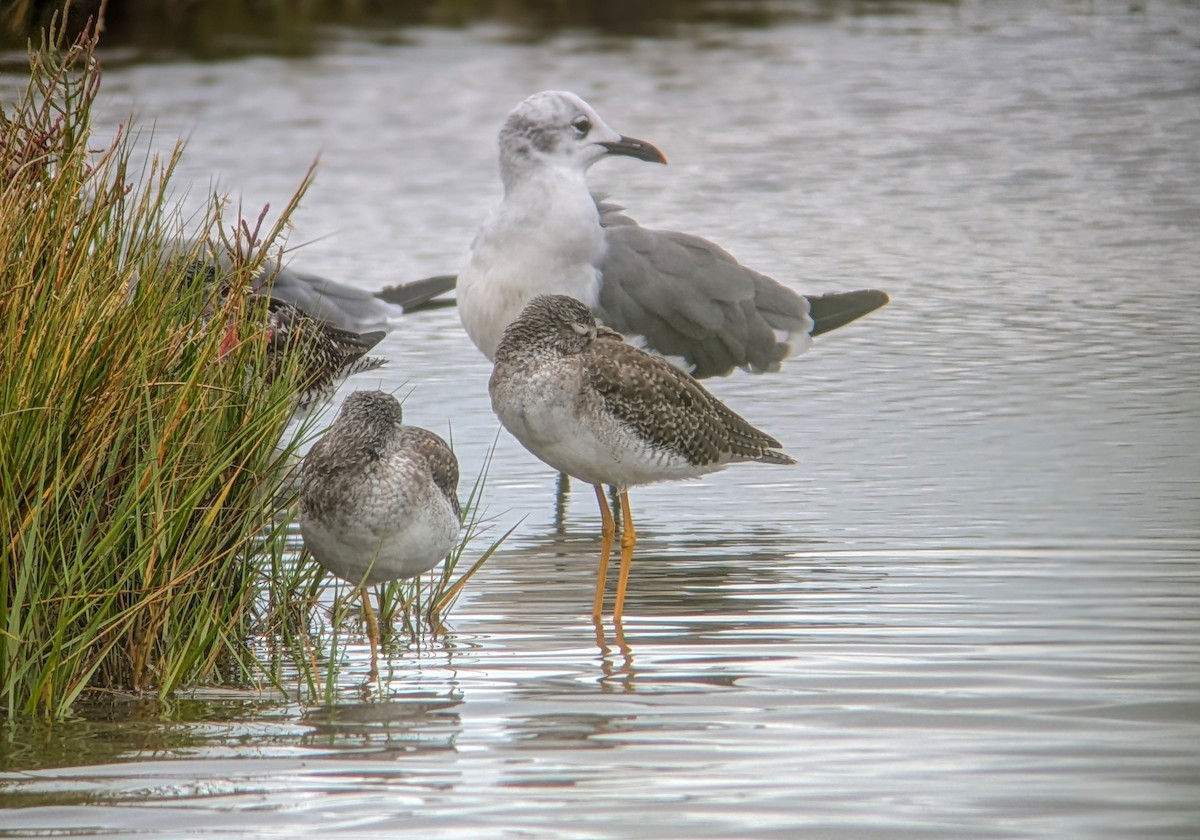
582	126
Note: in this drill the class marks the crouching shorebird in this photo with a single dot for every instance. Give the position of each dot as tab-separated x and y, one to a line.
378	499
680	295
581	399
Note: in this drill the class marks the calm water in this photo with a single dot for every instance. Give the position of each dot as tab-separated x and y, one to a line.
972	611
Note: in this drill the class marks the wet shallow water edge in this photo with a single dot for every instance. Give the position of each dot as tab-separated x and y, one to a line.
972	611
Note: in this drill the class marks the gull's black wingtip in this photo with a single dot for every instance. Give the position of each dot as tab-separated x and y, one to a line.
420	294
836	309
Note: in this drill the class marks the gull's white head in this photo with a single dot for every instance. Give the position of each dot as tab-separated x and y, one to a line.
557	128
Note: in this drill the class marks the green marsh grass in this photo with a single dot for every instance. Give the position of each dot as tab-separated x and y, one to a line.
142	454
137	456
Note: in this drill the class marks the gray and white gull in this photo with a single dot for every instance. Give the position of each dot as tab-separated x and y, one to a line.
343	305
350	307
681	295
331	325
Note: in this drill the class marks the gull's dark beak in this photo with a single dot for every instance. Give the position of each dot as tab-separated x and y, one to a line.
634	148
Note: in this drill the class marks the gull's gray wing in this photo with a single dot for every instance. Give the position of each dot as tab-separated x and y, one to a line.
344	306
341	305
836	309
420	294
688	297
352	308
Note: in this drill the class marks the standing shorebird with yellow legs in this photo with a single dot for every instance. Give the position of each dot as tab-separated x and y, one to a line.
582	400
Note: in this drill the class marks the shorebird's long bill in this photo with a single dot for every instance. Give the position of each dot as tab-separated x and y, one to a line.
634	148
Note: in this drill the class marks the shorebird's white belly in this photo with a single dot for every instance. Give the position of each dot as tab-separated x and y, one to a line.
399	528
579	437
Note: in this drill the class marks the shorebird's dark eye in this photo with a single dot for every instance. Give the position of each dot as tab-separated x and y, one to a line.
582	125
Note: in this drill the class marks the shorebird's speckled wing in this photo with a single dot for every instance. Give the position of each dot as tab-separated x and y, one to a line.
670	410
328	354
443	466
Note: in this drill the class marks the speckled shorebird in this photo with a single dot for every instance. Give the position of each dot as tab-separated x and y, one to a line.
580	398
378	499
326	354
682	296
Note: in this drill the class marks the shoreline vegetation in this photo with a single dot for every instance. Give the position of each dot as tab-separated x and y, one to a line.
143	455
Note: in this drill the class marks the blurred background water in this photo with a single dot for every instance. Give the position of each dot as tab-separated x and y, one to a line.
971	611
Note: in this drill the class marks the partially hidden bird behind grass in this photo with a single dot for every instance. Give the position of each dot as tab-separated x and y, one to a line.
324	353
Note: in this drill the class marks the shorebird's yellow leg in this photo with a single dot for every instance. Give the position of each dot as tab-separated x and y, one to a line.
608	528
628	539
372	632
